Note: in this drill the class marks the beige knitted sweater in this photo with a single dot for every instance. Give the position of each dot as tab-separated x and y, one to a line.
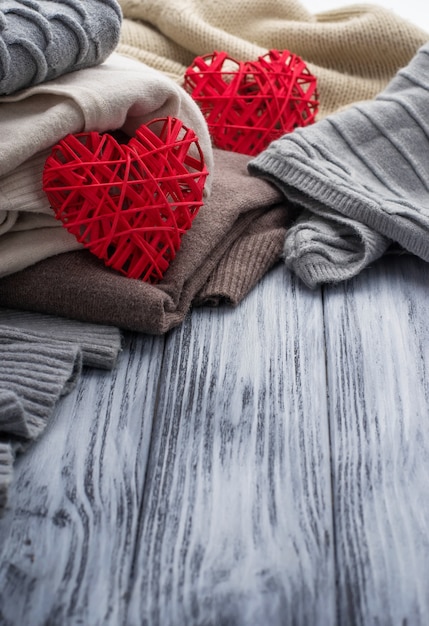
354	51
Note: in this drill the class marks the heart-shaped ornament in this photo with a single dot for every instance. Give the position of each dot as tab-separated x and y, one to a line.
248	104
128	203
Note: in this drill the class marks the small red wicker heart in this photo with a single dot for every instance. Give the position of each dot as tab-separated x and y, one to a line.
248	104
129	204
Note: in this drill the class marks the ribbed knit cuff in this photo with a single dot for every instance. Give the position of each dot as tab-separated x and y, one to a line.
99	344
324	245
21	188
323	250
6	472
38	375
12	413
248	259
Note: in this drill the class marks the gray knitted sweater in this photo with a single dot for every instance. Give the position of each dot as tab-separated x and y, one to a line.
41	359
360	178
43	39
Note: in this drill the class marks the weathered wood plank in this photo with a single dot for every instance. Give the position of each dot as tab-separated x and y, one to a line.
236	523
68	538
378	375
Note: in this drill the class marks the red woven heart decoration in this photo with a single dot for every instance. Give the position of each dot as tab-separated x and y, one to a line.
129	204
249	104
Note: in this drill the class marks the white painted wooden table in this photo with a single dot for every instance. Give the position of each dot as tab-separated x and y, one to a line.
267	465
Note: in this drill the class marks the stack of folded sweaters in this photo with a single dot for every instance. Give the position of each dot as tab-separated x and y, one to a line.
103	65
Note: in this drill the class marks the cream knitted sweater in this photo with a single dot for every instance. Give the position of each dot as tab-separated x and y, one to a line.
353	51
121	93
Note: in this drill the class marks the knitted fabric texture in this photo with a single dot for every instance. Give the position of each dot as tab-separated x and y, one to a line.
43	39
41	358
362	177
235	239
121	93
353	51
6	472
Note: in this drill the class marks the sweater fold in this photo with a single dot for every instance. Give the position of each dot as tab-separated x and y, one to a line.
235	239
43	39
41	359
360	179
121	93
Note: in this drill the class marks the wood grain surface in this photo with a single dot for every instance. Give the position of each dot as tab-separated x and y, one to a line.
236	526
68	538
257	466
378	377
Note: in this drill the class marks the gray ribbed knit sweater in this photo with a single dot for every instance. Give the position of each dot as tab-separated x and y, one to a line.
361	178
41	358
43	39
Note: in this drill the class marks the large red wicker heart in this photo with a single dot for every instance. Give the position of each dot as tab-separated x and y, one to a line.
247	104
129	204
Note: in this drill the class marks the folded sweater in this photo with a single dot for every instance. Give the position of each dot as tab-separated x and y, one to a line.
360	177
43	39
121	93
235	239
41	359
